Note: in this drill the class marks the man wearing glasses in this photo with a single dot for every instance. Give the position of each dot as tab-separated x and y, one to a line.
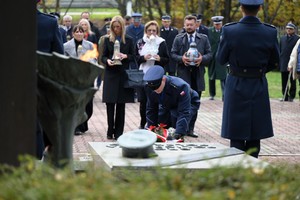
171	101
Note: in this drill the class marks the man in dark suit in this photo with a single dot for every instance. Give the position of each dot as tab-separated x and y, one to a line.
48	40
251	49
200	27
287	43
194	75
168	33
171	101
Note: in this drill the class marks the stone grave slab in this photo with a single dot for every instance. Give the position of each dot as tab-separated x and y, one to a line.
172	155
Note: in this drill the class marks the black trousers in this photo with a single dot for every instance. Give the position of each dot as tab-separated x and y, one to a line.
142	98
83	127
291	91
246	145
212	87
115	119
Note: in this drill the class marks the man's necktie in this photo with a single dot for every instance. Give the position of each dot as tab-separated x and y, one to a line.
191	38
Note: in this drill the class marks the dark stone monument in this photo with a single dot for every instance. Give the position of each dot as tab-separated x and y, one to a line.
65	85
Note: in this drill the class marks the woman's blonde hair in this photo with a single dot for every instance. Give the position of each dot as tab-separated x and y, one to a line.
88	25
120	20
150	23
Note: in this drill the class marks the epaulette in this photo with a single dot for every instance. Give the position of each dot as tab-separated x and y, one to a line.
173	85
48	15
270	25
230	23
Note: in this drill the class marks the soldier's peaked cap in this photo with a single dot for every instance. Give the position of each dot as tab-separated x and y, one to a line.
291	25
154	76
166	17
137	15
251	2
217	19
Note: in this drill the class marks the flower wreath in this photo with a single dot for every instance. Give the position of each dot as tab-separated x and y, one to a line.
163	134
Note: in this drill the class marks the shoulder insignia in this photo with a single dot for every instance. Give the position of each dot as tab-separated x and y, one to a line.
231	23
48	15
270	25
173	85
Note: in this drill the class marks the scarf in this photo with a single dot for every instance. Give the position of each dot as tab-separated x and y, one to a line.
145	50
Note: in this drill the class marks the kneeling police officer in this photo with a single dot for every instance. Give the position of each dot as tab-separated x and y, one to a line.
171	101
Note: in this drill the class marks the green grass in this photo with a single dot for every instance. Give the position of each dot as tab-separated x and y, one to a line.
274	82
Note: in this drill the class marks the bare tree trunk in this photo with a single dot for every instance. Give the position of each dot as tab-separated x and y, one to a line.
149	8
69	6
227	9
57	7
168	6
157	4
122	6
276	12
186	11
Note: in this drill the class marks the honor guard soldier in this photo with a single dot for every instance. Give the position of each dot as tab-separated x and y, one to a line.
171	101
250	47
216	71
168	33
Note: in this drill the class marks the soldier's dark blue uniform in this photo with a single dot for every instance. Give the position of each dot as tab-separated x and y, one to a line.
251	49
177	105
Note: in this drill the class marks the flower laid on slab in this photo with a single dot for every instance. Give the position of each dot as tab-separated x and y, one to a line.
163	134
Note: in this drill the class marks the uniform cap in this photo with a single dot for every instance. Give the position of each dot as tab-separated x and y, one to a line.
137	144
251	2
138	15
154	76
198	16
166	17
107	19
291	25
217	19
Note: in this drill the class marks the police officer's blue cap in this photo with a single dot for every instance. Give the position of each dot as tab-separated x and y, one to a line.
138	15
166	17
251	2
154	76
217	19
291	25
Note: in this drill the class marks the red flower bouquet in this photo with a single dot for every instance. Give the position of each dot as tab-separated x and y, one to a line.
163	134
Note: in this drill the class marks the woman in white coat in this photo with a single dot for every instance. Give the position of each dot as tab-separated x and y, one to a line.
294	63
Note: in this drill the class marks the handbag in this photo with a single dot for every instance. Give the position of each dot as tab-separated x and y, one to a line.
134	78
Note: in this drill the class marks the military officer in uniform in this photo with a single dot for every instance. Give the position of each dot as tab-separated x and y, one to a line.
216	71
168	33
171	101
251	49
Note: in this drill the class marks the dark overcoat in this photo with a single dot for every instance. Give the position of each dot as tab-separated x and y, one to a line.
49	37
216	71
286	46
244	45
181	46
135	33
115	76
169	36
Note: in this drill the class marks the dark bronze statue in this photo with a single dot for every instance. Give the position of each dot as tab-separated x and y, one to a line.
65	85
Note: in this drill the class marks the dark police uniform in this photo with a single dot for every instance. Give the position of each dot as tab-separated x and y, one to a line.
251	49
177	105
48	40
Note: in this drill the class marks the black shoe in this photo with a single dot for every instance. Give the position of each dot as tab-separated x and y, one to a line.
290	99
177	136
78	133
192	134
212	98
110	137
